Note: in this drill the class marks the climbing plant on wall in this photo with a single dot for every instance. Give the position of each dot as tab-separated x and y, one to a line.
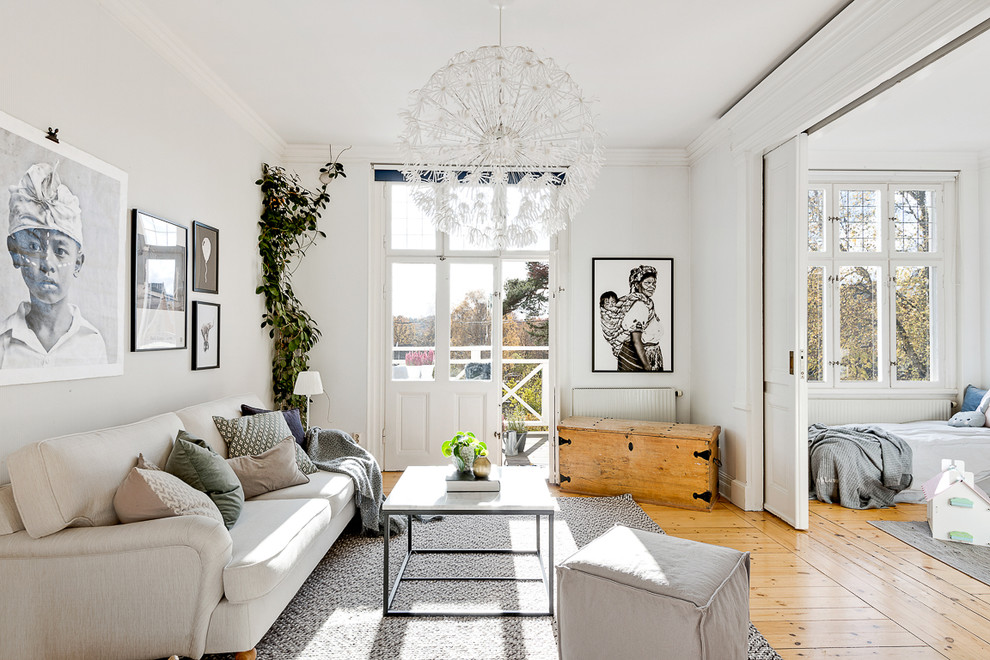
288	228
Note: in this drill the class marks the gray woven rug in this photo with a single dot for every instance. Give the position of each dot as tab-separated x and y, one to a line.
973	560
338	611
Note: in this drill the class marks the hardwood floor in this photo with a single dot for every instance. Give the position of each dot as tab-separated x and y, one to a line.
843	589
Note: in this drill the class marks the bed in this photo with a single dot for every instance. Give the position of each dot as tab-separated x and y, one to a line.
931	441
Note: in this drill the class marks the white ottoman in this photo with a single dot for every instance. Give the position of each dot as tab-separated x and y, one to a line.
634	594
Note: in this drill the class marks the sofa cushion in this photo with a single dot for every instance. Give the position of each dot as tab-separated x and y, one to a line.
334	487
71	480
255	434
195	462
268	471
292	418
269	539
154	494
198	419
10	519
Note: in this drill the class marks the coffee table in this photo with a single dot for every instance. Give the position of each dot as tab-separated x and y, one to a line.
422	491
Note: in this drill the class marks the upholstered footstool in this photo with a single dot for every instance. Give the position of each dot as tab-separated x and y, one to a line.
634	594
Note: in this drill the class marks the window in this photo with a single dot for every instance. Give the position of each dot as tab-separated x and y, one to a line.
877	274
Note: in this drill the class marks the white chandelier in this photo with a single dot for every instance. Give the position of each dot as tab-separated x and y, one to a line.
502	145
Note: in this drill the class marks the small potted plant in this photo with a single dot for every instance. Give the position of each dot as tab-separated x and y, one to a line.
463	448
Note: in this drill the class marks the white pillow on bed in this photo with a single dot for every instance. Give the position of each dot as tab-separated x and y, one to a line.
984	405
968	418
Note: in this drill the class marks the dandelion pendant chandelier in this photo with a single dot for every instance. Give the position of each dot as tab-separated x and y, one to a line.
502	145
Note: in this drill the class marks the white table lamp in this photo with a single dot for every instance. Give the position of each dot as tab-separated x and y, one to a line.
308	383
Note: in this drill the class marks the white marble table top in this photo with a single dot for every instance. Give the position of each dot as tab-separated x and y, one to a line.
424	489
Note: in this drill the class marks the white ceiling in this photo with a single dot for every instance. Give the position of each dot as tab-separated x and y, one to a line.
338	71
942	108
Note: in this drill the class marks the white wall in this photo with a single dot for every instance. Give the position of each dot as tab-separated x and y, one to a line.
332	284
634	211
981	273
72	66
723	305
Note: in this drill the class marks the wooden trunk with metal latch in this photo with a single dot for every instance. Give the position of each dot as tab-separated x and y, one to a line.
656	462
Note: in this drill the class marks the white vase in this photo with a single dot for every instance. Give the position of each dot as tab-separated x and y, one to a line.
466	456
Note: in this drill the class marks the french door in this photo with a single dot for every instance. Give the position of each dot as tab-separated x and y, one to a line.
449	368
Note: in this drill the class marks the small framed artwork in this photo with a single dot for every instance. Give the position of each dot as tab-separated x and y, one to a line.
633	312
206	253
206	335
158	284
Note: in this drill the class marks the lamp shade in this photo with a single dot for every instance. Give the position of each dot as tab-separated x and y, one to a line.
308	383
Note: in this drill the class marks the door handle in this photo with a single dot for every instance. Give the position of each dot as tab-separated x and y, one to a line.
790	355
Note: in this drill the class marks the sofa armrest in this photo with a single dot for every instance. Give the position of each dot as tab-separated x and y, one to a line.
141	590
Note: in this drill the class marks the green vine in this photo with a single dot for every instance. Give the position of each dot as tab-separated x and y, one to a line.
289	218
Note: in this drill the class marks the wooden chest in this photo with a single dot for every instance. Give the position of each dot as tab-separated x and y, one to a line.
656	462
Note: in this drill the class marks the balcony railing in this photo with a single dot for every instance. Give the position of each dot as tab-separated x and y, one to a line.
481	355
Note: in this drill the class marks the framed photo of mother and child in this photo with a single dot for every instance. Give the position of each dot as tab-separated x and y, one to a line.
633	328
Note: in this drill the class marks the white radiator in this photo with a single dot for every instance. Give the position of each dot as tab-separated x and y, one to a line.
647	404
866	411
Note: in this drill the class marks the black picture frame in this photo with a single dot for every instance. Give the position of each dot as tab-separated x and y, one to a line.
206	335
206	258
615	311
159	297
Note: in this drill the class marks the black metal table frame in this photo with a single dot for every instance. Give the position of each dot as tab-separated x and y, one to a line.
388	595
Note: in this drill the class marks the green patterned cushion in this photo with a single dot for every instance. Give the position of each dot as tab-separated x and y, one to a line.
256	434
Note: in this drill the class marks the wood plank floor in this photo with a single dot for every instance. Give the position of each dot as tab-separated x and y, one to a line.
843	589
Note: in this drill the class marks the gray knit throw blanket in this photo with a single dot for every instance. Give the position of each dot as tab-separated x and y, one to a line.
335	451
860	467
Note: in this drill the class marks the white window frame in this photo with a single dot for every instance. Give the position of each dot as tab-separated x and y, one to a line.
943	354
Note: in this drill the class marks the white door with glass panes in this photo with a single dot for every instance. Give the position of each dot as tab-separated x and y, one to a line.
876	282
468	344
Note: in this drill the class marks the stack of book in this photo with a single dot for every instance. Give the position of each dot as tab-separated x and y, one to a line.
466	482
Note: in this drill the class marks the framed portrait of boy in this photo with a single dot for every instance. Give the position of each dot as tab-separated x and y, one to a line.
158	321
206	255
62	291
206	335
633	317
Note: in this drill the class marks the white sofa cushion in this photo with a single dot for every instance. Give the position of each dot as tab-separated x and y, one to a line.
268	538
198	419
10	519
70	481
336	488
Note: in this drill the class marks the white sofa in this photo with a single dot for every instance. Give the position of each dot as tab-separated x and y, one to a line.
75	583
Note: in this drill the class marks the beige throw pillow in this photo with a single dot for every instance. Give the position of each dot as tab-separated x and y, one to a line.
152	494
256	434
271	470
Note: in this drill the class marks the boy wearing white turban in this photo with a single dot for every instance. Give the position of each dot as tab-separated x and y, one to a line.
45	241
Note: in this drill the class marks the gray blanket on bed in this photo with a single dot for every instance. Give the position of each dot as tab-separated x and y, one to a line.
860	467
335	451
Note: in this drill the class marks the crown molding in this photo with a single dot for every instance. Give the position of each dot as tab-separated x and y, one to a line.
865	44
153	33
